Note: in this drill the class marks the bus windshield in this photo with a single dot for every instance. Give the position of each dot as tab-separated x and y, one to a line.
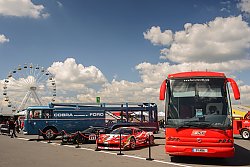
198	103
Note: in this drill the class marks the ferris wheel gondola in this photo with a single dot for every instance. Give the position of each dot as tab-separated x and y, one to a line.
28	85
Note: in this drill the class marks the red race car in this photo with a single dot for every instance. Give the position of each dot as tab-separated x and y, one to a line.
131	137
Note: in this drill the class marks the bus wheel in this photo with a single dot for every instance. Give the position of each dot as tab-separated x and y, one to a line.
245	134
49	133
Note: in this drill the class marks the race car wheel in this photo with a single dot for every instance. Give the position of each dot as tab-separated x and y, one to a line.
79	139
245	134
132	143
84	140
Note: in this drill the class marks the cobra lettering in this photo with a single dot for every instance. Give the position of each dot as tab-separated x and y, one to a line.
63	115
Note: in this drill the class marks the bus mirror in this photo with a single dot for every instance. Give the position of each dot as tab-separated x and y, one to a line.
235	88
51	105
163	90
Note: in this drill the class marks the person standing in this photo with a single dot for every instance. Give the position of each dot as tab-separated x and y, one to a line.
162	123
17	123
12	127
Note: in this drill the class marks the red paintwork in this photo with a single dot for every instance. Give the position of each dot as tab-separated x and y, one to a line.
235	88
196	74
216	143
112	141
200	74
163	90
240	123
209	139
118	113
193	74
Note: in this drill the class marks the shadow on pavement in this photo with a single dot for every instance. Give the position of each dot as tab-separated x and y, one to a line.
241	158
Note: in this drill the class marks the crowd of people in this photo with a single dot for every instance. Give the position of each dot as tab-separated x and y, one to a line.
13	126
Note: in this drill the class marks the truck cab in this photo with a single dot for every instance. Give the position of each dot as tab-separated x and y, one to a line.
241	126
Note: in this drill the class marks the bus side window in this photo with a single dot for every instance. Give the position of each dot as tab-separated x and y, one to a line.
47	114
31	114
37	114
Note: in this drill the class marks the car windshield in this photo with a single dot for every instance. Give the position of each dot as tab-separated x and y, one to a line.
122	131
89	130
198	102
94	130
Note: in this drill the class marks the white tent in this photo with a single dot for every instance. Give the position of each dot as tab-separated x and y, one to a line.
21	113
161	114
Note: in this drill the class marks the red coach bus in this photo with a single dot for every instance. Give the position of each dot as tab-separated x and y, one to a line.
198	114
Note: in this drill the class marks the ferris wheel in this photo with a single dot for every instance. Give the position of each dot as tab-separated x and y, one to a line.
28	85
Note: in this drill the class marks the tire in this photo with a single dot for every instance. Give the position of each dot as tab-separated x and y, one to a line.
132	144
78	140
49	133
245	133
84	140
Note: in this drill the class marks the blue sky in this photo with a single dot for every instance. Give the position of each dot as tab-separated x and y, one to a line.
116	37
101	33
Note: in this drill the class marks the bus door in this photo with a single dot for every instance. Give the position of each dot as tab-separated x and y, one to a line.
38	119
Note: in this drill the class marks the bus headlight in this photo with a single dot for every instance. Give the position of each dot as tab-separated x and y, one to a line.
173	139
225	141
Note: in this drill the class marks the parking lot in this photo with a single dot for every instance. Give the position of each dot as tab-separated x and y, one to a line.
26	150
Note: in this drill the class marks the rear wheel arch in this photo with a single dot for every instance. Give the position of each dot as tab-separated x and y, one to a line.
49	132
132	143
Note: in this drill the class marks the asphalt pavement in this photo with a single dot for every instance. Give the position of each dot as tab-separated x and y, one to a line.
26	151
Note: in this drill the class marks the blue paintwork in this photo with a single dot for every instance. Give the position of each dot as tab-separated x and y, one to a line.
69	119
72	117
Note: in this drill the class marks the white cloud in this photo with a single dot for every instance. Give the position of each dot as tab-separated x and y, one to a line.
244	6
3	38
226	6
223	39
60	5
157	37
75	82
79	78
125	91
225	10
155	73
245	94
225	2
220	45
22	8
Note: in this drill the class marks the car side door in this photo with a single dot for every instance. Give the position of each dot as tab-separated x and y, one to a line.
139	136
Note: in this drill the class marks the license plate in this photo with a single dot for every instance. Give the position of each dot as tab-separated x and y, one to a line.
199	150
92	137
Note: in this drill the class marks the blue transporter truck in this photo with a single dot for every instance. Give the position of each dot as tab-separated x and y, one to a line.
50	121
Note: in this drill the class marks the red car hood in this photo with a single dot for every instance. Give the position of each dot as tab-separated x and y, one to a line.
113	137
